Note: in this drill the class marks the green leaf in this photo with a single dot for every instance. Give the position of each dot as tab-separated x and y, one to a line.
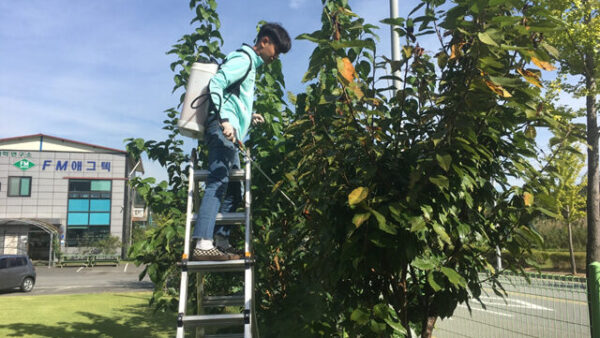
427	211
432	282
551	50
548	212
360	316
418	224
442	233
441	181
444	161
394	21
308	37
485	38
530	132
353	43
383	224
381	310
454	277
358	195
424	263
359	219
396	326
377	327
507	81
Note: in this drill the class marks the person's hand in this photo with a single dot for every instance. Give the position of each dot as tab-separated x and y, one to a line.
257	118
228	131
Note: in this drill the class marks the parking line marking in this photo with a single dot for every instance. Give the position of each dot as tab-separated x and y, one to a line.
126	265
80	269
487	311
554	299
510	302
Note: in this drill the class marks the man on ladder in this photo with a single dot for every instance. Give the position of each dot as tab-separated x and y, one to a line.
232	96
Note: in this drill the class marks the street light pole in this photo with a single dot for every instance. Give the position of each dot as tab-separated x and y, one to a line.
395	42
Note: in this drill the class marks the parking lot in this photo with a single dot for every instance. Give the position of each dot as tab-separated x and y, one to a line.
68	280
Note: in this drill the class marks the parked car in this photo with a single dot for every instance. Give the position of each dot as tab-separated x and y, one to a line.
16	271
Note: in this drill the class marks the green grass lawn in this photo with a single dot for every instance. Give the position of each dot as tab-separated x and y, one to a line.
83	315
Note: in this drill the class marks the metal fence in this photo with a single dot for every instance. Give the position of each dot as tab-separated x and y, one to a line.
549	306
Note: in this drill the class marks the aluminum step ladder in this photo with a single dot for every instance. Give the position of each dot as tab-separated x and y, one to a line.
246	264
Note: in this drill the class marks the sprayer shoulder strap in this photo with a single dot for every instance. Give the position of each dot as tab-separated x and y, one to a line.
234	88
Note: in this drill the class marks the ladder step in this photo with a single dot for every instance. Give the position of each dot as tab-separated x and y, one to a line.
234	175
220	301
227	218
214	320
225	335
218	266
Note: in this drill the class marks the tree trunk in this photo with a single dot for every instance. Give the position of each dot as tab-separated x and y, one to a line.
573	266
427	330
593	187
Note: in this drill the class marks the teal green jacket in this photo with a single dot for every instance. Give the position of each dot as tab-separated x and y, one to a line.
236	109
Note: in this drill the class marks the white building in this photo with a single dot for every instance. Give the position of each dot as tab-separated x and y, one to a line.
71	191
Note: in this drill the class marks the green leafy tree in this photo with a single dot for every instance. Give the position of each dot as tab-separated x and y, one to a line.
570	200
400	210
163	246
578	55
396	209
562	167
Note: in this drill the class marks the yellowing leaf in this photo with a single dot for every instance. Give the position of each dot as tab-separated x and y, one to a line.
407	51
542	64
359	219
530	76
356	89
497	89
456	50
277	185
346	69
358	195
528	199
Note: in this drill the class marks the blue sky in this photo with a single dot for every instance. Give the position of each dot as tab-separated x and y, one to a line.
97	71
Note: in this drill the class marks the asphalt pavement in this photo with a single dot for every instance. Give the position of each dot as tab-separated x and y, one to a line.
544	308
70	280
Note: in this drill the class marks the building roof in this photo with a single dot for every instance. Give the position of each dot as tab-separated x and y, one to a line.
43	142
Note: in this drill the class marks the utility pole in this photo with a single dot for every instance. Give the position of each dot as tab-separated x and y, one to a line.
395	42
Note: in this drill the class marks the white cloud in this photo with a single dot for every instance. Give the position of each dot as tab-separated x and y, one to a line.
295	4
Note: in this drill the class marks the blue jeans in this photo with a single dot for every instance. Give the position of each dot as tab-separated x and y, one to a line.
219	194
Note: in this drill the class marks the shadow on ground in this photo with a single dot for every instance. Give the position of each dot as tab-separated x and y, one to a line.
131	321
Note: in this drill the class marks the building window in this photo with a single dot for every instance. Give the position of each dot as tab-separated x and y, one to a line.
19	186
88	211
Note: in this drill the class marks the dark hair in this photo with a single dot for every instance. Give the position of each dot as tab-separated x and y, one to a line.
277	34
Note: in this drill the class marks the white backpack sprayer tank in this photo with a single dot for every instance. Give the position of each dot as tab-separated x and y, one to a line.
197	100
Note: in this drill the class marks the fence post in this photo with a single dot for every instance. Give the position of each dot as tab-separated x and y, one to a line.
594	298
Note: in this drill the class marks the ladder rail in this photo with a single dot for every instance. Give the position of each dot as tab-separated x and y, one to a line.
248	273
186	247
247	317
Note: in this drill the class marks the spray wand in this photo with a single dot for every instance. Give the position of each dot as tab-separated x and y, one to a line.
247	156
